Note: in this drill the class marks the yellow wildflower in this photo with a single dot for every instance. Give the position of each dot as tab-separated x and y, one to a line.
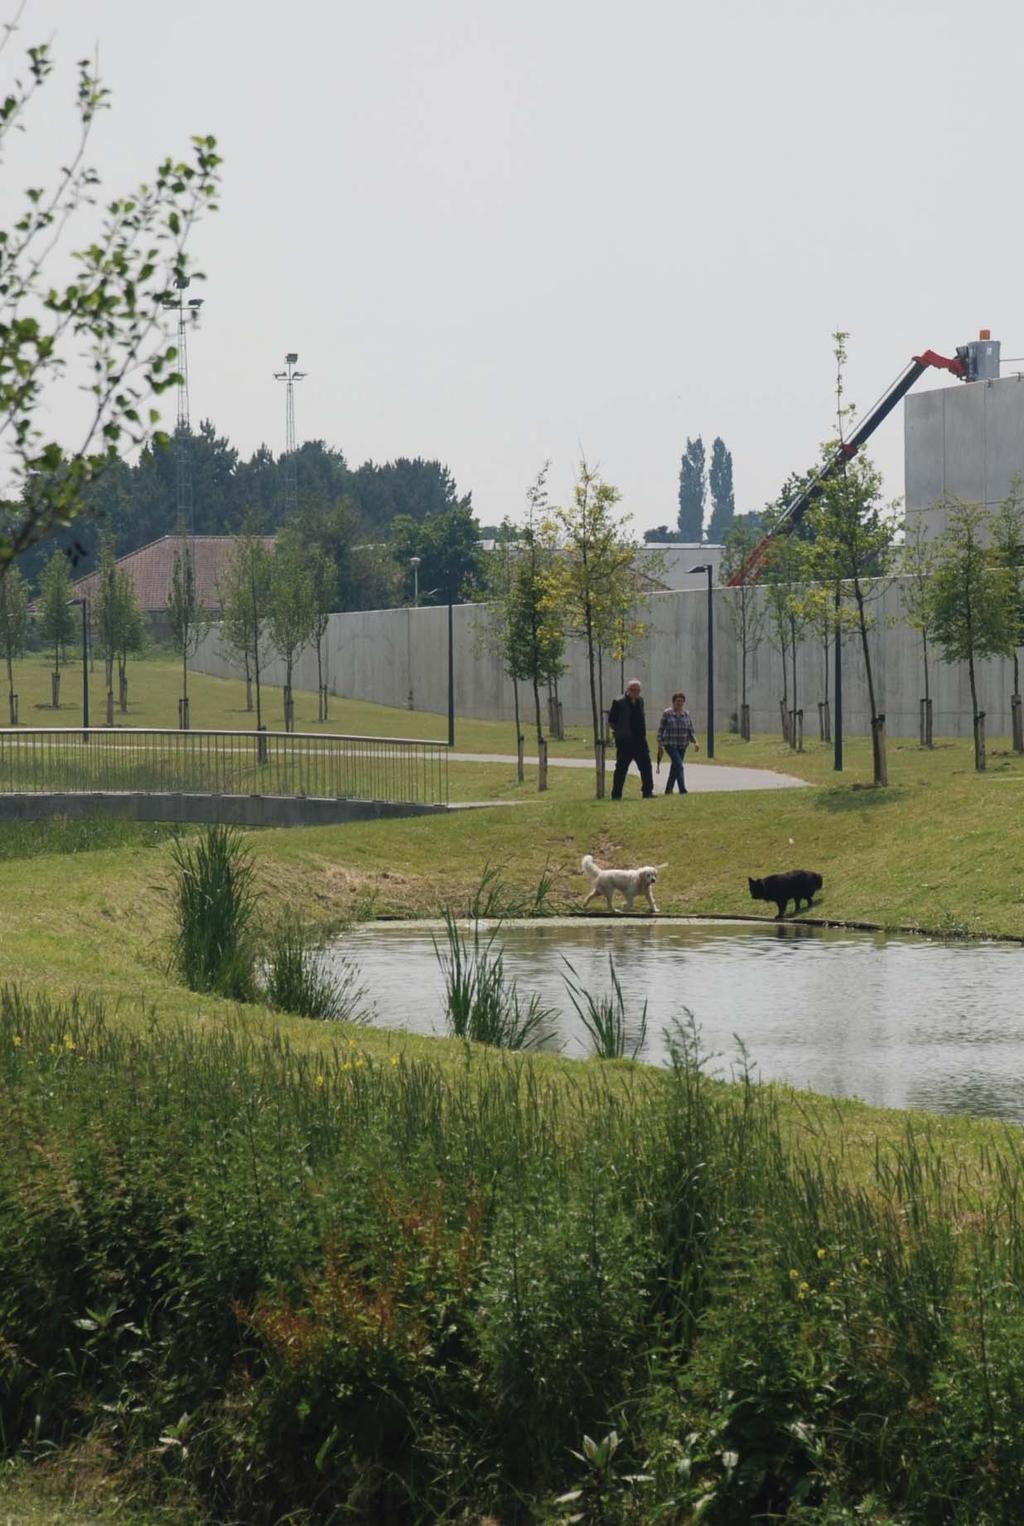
69	1042
822	1253
17	1041
318	1079
394	1059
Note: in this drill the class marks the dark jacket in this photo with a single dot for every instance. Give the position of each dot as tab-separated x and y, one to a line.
626	719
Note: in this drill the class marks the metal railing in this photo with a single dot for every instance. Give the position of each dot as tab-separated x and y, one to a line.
100	759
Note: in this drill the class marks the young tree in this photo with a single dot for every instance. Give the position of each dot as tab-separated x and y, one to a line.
692	492
291	611
745	609
723	502
56	616
131	635
852	534
245	599
591	578
100	319
972	601
1008	543
107	616
917	564
14	624
188	619
325	600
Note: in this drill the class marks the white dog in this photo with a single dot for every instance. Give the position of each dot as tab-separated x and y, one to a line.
628	882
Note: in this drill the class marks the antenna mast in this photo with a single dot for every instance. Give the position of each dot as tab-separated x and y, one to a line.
291	484
188	316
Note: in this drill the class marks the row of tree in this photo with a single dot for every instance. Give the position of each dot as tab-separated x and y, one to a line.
573	570
964	592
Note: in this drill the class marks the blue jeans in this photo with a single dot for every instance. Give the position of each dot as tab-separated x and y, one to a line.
675	773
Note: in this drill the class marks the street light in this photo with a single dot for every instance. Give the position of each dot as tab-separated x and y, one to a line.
709	569
84	602
414	563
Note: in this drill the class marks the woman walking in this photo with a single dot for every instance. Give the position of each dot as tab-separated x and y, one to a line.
675	735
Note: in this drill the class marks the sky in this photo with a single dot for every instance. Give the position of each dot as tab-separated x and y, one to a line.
500	233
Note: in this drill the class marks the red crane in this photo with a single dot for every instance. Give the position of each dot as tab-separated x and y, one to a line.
972	362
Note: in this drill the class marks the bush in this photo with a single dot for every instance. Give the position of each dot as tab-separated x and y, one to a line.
481	1003
215	905
297	978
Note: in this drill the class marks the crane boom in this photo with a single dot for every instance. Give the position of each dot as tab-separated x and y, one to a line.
843	452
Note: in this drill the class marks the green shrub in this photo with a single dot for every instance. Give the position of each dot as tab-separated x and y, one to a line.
604	1017
481	1002
297	978
215	905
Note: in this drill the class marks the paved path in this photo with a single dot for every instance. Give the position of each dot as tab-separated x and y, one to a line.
701	778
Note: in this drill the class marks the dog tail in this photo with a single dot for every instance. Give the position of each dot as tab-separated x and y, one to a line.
588	867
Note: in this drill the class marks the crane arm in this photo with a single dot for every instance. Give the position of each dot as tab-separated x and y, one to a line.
813	489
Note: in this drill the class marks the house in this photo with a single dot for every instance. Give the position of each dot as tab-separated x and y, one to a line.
151	569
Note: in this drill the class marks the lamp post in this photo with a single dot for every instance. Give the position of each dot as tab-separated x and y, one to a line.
414	563
84	602
451	672
709	569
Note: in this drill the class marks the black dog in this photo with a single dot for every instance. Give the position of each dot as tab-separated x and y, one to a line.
795	885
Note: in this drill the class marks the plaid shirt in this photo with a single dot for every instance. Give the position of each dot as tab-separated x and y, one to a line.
675	730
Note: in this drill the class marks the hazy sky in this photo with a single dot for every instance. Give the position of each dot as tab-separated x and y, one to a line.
499	232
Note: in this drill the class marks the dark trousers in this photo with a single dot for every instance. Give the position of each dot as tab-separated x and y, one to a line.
675	773
633	750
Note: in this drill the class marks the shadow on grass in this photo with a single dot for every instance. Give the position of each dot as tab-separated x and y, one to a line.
856	797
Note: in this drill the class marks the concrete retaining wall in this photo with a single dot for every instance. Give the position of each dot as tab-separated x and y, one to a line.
230	810
400	657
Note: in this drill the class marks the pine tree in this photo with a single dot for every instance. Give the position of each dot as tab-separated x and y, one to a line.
723	503
692	492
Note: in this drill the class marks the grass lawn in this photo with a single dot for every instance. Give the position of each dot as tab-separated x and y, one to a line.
89	911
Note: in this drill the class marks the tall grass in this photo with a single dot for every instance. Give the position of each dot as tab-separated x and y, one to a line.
481	1002
297	978
78	834
216	907
494	899
333	1286
604	1017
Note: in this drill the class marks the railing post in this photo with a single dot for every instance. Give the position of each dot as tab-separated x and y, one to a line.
797	723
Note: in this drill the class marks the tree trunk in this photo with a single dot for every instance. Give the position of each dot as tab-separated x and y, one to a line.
878	755
878	759
598	733
248	682
542	746
55	688
792	658
321	708
979	719
520	767
289	703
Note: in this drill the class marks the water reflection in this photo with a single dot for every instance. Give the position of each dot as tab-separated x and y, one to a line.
900	1022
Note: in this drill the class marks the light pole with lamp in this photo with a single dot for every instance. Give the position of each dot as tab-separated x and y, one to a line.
414	563
709	569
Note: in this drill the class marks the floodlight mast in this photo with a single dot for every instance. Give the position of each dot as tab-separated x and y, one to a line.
291	485
188	316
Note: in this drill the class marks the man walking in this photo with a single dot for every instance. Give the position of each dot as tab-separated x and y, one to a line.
628	725
675	735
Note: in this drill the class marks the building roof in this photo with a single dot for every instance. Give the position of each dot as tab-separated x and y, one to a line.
151	569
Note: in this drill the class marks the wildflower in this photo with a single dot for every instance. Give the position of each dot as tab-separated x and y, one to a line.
53	1048
360	1063
822	1253
69	1043
804	1286
347	1065
801	1294
794	1274
318	1079
394	1059
17	1041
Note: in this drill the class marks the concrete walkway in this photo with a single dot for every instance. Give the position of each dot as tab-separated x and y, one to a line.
701	778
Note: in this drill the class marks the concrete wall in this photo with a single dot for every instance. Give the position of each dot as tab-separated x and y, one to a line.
965	441
400	657
233	810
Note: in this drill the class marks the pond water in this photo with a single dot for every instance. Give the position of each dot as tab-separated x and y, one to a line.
897	1021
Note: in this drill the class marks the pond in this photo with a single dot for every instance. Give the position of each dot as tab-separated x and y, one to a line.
896	1021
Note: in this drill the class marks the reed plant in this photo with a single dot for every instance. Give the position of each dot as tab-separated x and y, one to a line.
481	1002
604	1017
215	905
297	977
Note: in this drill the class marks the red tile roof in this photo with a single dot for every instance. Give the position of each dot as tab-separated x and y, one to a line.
151	569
